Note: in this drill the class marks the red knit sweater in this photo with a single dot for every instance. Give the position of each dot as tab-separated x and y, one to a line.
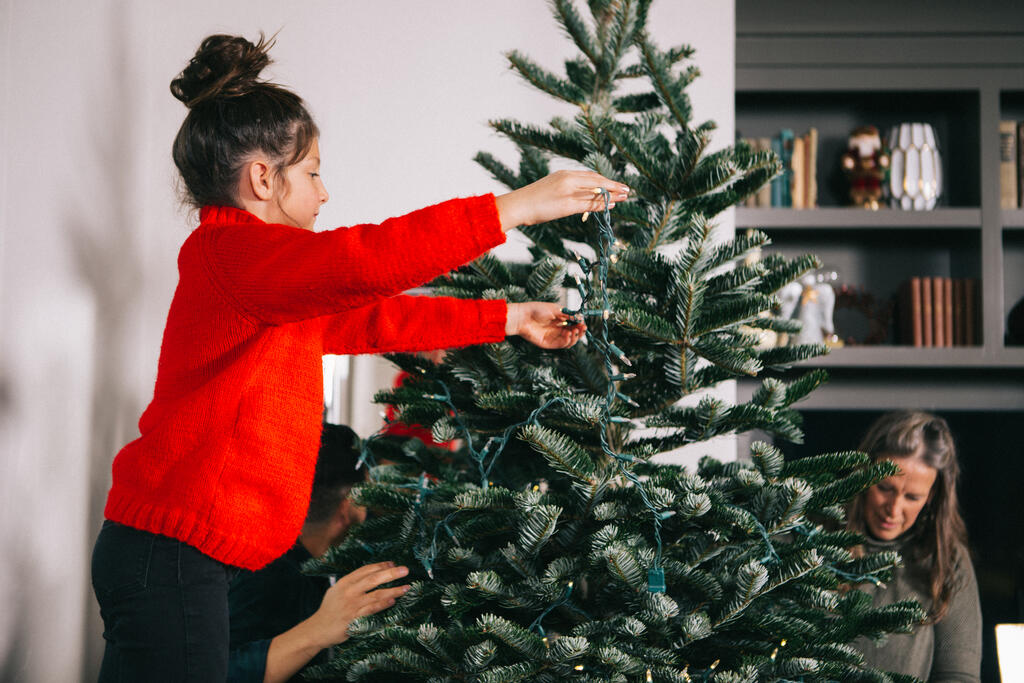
229	443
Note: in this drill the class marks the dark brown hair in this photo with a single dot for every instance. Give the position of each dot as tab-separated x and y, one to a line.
939	536
337	470
232	116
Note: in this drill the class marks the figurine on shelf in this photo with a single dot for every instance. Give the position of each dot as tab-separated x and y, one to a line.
866	164
812	301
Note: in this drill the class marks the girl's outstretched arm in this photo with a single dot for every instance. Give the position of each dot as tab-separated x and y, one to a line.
415	323
420	323
276	274
560	194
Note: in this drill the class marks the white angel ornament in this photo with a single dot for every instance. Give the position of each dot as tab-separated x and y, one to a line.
812	301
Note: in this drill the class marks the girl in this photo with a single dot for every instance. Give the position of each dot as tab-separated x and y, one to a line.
915	512
220	476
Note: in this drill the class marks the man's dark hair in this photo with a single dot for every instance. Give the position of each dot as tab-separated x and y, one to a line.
336	471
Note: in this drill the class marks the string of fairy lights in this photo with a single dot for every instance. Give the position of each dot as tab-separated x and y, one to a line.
594	306
596	272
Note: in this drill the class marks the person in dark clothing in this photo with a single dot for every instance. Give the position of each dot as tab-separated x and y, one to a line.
283	620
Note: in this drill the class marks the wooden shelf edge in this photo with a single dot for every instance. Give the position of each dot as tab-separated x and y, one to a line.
975	357
838	217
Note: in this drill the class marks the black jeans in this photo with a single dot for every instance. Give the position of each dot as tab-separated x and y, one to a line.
164	606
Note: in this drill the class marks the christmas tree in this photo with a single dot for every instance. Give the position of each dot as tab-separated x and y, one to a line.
550	546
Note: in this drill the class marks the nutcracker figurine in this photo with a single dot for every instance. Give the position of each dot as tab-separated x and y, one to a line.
866	164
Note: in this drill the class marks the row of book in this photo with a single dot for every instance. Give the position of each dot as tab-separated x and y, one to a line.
938	311
1011	164
797	186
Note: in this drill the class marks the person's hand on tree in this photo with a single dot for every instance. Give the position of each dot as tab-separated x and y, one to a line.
351	597
560	194
354	596
543	324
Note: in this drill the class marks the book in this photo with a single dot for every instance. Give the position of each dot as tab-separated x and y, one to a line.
798	174
785	152
787	161
927	326
947	310
1020	164
811	167
910	312
938	313
1008	165
778	181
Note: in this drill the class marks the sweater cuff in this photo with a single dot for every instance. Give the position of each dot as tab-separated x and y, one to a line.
482	213
492	320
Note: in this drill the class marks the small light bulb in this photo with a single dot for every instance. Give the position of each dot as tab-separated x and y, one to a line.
578	667
775	653
783	643
649	679
613	258
546	644
714	664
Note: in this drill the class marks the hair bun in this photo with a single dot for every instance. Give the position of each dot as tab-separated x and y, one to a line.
223	66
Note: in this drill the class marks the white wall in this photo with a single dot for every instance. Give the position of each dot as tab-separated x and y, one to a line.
90	224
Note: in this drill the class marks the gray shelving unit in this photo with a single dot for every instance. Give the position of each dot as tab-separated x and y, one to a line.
797	75
960	67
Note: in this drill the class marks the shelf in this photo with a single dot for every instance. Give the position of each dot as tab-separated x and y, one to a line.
860	218
762	114
974	357
1013	219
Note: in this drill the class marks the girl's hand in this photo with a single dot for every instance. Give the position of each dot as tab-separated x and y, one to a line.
354	596
543	324
560	194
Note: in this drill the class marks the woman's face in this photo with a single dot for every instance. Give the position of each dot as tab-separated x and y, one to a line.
892	505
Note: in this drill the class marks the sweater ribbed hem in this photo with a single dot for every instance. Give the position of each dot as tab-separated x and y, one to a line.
249	551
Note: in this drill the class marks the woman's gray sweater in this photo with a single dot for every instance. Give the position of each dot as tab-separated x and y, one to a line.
947	651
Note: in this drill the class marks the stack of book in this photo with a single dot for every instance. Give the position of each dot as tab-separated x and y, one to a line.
797	186
1011	164
938	311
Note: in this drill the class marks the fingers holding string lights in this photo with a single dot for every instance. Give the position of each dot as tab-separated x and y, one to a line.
599	196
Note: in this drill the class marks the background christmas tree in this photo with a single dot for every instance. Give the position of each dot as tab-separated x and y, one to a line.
550	546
